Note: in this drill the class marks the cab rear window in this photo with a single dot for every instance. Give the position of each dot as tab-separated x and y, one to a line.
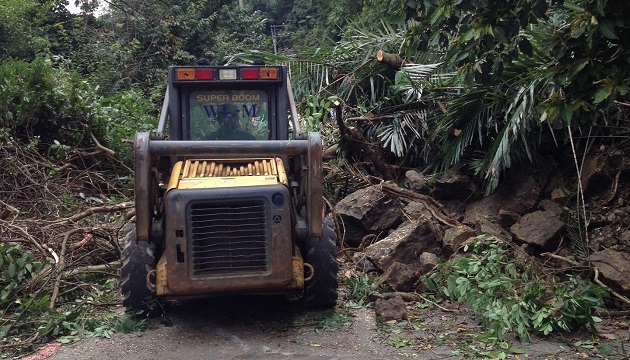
229	115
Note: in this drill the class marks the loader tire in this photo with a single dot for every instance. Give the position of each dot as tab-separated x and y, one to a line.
321	253
138	260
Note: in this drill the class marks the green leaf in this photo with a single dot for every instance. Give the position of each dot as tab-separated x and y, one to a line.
66	339
602	94
11	270
566	114
514	350
5	331
437	15
468	35
608	30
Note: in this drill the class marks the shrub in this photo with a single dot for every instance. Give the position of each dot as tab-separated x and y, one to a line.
41	99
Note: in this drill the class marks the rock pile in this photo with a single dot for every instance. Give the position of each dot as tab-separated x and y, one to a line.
403	232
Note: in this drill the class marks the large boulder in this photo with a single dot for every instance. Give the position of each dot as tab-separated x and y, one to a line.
455	185
404	245
454	237
540	228
614	267
391	309
367	211
416	181
489	226
399	277
416	210
518	196
427	262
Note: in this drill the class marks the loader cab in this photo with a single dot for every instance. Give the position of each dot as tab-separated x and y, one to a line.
226	201
228	103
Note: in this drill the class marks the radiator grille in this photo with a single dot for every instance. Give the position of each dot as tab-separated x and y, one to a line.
228	237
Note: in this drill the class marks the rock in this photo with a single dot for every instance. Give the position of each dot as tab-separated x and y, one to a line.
400	277
455	185
391	309
489	226
540	228
549	205
614	267
415	210
363	264
416	181
404	245
518	196
506	218
560	193
597	173
603	242
454	237
367	211
428	261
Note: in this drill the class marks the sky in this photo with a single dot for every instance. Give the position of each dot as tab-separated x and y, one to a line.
75	9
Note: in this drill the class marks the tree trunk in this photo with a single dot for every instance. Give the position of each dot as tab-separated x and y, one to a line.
353	142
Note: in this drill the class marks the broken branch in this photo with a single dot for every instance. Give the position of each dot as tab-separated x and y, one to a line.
427	201
92	211
411	297
614	293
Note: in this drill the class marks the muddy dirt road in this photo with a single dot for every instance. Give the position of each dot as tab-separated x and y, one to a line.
272	328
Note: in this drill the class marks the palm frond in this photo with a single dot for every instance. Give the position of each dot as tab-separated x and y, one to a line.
398	133
420	72
514	140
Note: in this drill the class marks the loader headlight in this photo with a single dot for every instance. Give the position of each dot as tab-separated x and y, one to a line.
277	199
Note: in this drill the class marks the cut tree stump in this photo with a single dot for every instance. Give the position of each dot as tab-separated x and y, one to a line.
392	60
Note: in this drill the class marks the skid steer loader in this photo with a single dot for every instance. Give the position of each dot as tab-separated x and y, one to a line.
228	194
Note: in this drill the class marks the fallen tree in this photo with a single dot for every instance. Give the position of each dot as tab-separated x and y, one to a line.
59	224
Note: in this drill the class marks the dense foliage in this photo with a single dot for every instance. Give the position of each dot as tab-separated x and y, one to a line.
485	83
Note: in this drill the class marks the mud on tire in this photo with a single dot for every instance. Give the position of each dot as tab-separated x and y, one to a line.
138	260
321	253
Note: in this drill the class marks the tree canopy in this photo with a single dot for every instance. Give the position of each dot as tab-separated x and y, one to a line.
483	83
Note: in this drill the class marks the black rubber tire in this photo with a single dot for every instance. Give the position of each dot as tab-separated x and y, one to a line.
138	260
321	290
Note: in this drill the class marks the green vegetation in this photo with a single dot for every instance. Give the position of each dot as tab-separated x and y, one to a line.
512	296
360	288
29	318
